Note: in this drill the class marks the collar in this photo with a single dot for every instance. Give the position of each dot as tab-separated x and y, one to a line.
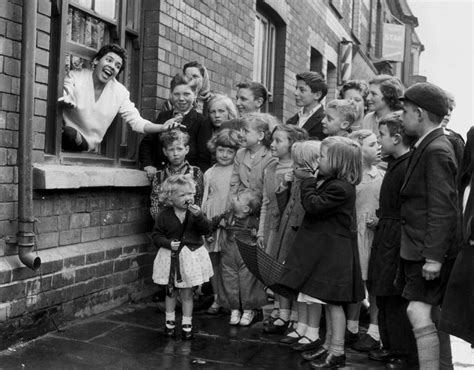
373	172
417	144
175	113
310	113
182	169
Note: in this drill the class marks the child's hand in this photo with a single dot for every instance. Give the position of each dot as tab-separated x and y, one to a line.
260	242
150	172
431	269
372	222
194	209
175	245
289	177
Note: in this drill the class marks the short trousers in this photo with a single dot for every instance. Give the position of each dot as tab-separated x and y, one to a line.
416	288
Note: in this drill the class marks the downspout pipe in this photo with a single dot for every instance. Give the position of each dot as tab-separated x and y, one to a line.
26	232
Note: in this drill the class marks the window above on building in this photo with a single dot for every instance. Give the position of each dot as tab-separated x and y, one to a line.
79	29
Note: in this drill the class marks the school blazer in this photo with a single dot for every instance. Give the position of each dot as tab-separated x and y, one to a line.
313	125
429	202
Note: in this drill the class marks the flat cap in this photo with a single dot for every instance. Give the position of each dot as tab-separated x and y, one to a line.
427	96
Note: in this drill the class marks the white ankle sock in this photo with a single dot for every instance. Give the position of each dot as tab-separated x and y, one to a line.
187	320
312	333
353	326
374	332
170	316
284	314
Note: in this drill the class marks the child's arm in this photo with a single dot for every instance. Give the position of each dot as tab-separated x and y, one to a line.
202	224
205	195
284	191
154	196
198	179
263	215
324	201
235	178
159	237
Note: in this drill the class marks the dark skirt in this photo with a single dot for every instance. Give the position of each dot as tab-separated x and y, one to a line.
324	266
457	310
384	258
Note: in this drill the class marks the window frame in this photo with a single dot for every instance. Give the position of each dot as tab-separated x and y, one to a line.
119	137
265	53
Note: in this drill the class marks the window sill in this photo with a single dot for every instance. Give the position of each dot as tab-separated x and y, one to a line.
54	176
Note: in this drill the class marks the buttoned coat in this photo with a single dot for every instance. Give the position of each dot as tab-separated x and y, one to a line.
429	201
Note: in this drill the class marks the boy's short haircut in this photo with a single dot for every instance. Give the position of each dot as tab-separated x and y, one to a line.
345	108
178	80
359	85
194	64
226	138
315	81
391	89
305	152
169	137
113	48
258	90
171	184
254	200
394	124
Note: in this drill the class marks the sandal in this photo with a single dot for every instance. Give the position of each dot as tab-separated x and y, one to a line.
271	328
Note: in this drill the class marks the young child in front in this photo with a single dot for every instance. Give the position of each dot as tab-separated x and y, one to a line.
340	115
182	262
175	145
239	290
254	156
367	202
224	145
283	138
304	336
399	346
324	263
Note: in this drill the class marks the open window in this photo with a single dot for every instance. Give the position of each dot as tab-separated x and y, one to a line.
79	29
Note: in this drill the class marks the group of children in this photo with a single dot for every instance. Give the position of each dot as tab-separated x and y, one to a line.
315	197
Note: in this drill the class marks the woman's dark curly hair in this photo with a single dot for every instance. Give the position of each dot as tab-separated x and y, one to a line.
359	85
391	89
113	48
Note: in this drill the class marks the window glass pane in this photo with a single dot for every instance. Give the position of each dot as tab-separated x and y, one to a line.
85	30
84	3
132	16
106	8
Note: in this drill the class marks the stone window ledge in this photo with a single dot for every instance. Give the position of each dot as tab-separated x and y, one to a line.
54	176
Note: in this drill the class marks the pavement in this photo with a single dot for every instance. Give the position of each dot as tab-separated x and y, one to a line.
131	337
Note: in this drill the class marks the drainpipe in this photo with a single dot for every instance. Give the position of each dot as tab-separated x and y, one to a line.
26	234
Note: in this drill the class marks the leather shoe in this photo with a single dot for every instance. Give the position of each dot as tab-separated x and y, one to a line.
382	355
290	340
330	361
301	347
366	343
350	338
314	354
271	328
402	363
187	334
170	332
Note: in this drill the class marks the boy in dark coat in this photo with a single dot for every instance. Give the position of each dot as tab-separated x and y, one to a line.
429	219
311	88
399	346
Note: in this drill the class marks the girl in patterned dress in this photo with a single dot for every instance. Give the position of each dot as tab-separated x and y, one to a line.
182	262
223	145
367	202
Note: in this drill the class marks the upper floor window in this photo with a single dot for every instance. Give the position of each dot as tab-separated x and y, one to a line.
264	52
79	29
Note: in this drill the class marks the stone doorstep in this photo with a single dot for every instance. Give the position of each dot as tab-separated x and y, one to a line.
52	260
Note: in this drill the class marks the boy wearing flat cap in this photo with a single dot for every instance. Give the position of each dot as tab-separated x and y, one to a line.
429	212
